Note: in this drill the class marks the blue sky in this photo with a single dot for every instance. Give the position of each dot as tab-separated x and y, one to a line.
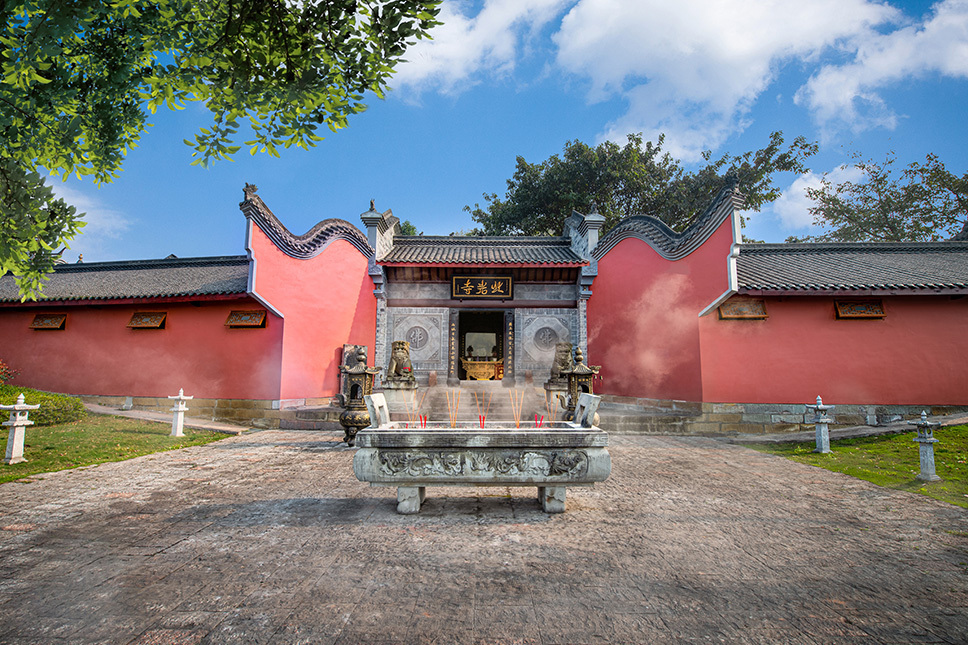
504	78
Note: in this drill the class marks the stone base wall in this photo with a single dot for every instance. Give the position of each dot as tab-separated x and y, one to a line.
620	415
655	416
256	413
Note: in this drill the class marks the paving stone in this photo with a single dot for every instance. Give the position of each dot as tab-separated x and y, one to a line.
267	537
170	637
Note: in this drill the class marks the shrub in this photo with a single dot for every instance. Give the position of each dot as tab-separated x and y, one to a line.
54	408
6	372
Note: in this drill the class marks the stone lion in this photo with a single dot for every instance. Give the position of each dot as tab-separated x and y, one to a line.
400	365
562	360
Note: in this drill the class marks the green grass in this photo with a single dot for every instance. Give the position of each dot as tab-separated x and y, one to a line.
892	461
54	408
95	439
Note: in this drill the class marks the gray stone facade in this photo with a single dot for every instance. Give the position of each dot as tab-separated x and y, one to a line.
538	330
534	334
425	328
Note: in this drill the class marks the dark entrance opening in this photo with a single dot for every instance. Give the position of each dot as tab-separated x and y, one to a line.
481	345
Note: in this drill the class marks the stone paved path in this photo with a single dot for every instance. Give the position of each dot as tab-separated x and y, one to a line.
268	538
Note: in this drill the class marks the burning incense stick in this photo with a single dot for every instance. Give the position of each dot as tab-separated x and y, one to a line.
482	408
551	405
411	407
453	405
517	402
413	410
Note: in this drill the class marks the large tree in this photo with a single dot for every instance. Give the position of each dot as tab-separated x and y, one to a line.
635	179
78	80
922	202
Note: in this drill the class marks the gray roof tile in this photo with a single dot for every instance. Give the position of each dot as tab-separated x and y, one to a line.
434	249
869	266
140	279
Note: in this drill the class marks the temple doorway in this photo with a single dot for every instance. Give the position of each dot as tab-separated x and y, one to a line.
481	345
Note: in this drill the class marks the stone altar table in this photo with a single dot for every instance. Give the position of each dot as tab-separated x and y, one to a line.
550	457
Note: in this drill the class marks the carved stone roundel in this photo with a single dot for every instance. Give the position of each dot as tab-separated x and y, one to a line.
545	338
417	336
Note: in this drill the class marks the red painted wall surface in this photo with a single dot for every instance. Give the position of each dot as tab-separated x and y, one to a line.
97	353
327	301
915	355
643	325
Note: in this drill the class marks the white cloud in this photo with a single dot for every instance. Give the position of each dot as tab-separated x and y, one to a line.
693	68
846	95
466	46
104	225
792	208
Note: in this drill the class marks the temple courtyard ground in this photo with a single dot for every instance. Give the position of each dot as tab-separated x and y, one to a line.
267	537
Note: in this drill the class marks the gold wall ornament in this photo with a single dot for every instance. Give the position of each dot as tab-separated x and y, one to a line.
49	321
250	318
148	320
743	309
859	309
481	287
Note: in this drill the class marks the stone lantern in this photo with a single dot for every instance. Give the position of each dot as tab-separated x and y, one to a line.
580	380
926	440
18	424
359	383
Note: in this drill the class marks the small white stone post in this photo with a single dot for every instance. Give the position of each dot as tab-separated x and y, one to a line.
926	440
18	425
821	420
178	419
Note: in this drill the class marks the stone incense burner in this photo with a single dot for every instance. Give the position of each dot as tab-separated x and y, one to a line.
551	457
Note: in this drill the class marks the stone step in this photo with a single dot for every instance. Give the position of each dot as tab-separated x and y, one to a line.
311	418
658	424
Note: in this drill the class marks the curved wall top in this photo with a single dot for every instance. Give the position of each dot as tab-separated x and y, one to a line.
301	247
668	243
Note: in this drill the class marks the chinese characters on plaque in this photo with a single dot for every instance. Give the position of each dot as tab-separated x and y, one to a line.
464	287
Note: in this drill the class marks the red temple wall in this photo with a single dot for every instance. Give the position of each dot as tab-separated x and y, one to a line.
327	301
96	353
643	325
914	355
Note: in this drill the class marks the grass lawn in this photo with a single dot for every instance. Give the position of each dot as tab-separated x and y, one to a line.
95	439
892	461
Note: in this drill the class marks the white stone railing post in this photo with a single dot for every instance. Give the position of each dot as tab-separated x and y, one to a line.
821	420
178	418
926	442
18	425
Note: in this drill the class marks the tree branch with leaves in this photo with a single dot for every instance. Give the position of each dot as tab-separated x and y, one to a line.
638	178
78	80
922	202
